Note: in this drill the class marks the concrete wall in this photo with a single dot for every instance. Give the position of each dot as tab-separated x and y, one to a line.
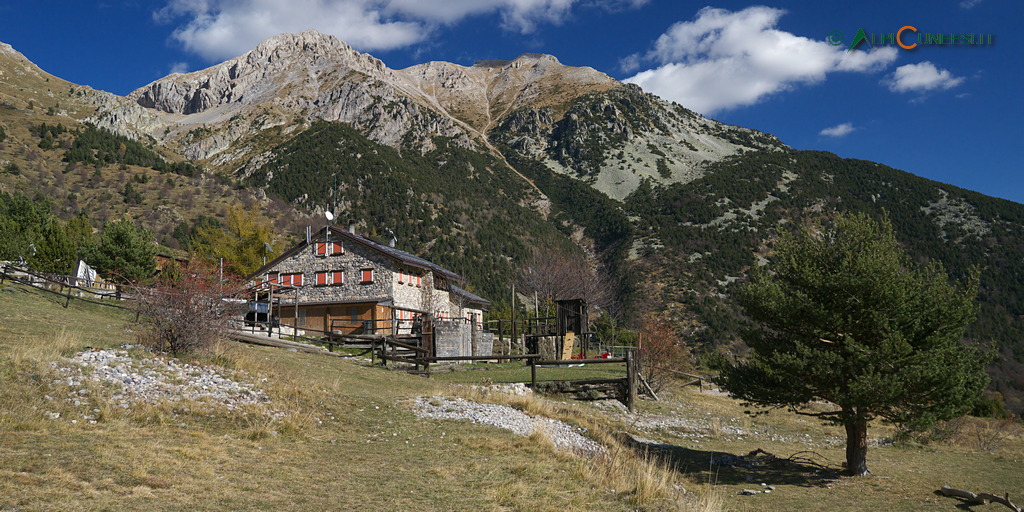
455	338
451	339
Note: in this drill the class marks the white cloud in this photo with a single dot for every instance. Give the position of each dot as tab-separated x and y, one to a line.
630	63
179	67
221	29
839	130
921	77
723	60
969	4
518	15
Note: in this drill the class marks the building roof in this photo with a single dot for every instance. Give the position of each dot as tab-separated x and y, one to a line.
470	297
337	233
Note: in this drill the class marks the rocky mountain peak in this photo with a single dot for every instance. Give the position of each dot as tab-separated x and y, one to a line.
540	58
283	65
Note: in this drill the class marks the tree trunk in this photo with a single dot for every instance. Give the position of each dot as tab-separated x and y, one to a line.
857	447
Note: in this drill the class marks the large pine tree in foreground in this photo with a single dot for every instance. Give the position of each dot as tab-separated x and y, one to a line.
845	318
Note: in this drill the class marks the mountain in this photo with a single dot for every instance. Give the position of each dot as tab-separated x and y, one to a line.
492	168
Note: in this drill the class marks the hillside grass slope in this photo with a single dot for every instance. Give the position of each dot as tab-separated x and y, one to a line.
339	435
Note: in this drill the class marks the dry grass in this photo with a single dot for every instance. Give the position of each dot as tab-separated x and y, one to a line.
334	436
346	440
46	348
640	479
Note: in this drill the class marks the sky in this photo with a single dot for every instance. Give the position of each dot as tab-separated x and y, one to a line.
944	111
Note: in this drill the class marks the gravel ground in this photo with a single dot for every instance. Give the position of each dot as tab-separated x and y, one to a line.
564	436
154	379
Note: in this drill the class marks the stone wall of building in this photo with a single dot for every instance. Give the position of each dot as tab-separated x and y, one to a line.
351	262
407	293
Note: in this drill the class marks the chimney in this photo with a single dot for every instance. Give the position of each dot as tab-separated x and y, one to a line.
352	227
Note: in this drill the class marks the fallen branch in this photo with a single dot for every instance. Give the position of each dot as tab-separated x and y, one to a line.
979	499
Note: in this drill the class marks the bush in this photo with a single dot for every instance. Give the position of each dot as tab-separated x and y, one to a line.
185	313
660	352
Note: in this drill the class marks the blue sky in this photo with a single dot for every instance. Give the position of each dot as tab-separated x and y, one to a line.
949	113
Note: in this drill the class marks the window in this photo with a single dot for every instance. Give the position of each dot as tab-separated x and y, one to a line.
328	248
302	318
401	277
330	278
419	280
272	277
291	279
366	275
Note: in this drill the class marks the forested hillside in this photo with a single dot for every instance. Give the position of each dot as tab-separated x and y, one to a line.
701	236
461	209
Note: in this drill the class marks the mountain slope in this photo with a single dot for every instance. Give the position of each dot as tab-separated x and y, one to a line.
481	167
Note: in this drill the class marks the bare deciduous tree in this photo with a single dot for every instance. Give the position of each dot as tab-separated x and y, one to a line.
559	276
186	312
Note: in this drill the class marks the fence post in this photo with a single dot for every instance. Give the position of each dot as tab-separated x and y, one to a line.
631	381
533	373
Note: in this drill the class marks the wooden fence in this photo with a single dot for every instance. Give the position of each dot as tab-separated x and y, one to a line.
65	287
625	389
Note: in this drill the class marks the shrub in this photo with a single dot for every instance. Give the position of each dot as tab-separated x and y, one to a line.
660	351
185	313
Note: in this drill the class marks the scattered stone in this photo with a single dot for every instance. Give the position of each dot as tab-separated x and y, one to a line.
564	436
749	492
516	388
153	380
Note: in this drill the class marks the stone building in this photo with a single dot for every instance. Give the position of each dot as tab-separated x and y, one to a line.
342	283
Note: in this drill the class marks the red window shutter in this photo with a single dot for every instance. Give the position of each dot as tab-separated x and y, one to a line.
321	249
321	278
297	280
336	248
367	276
339	277
272	277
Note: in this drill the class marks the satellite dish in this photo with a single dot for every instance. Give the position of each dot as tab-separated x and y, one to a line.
329	215
268	247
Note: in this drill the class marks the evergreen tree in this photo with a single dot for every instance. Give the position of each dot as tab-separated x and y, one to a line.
22	219
846	319
55	253
125	253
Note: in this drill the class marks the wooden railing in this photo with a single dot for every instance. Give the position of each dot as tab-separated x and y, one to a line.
64	285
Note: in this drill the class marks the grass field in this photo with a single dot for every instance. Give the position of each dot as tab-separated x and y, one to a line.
339	435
